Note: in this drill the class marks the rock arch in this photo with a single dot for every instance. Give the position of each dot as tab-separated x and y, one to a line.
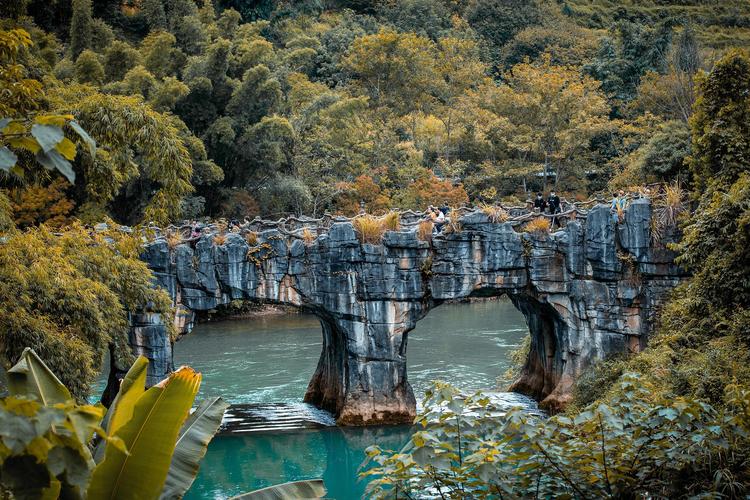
587	291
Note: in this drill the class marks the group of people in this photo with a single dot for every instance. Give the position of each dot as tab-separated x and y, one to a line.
552	204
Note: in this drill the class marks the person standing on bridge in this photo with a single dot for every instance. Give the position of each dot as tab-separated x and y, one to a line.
617	209
540	202
553	202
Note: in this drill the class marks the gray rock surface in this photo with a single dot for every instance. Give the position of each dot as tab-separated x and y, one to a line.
587	291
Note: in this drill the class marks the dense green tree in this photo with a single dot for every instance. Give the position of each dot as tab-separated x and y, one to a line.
393	69
88	69
153	11
119	58
702	344
81	29
430	18
102	35
627	54
721	124
160	54
191	35
66	294
265	151
664	155
497	21
258	95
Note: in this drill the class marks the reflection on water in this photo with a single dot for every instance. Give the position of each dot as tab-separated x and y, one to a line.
234	465
271	359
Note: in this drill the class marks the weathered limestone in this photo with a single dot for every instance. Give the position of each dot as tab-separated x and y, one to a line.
587	291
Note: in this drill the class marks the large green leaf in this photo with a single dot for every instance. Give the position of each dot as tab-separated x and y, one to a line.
7	158
85	136
150	437
191	446
53	160
131	389
30	376
121	409
313	488
48	136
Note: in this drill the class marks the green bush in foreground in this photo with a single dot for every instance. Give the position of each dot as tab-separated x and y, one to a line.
626	448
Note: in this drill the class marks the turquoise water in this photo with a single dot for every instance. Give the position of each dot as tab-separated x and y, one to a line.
271	359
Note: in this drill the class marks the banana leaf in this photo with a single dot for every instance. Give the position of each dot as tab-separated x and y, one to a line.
313	488
30	376
121	409
191	446
150	437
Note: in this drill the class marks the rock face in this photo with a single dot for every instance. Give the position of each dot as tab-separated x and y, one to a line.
587	291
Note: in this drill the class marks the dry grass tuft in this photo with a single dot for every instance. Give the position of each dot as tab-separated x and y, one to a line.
424	231
452	226
220	239
251	237
495	214
538	226
369	228
391	221
307	236
667	209
173	239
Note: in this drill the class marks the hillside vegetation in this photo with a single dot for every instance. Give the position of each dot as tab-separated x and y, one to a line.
236	109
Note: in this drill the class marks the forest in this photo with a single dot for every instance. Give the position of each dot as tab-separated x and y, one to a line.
140	112
271	108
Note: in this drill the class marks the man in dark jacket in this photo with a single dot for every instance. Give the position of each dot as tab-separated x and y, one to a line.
553	202
540	202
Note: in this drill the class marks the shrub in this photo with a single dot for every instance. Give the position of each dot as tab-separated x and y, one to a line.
538	227
628	447
369	228
495	214
424	231
517	358
67	294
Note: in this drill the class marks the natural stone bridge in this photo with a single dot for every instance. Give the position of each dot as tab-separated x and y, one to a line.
587	291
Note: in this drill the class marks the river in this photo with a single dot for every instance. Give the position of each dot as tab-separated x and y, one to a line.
271	359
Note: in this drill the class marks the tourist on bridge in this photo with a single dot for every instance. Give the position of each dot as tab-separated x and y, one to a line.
445	208
540	202
437	217
617	209
553	202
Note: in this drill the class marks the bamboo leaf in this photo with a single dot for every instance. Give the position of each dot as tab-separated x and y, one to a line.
191	446
299	489
30	376
150	437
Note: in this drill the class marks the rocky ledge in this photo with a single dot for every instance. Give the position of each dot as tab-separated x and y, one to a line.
587	291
